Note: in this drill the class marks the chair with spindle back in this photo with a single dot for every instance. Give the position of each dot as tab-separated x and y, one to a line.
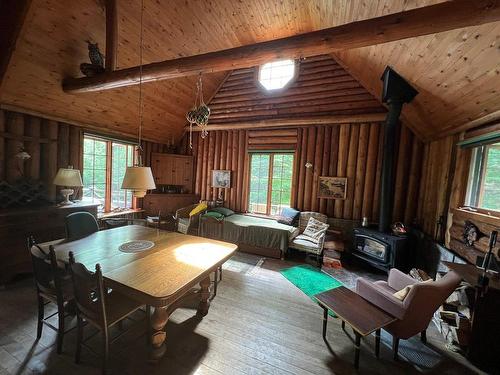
52	286
97	306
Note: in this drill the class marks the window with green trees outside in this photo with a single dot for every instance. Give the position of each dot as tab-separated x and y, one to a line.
104	165
483	190
270	182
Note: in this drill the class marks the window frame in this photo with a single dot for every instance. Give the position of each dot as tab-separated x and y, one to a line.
281	89
270	178
474	193
109	169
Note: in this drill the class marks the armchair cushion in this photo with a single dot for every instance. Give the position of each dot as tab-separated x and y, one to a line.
401	294
315	229
398	280
200	207
303	244
381	295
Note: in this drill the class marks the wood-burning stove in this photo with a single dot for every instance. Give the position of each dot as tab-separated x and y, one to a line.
379	247
382	250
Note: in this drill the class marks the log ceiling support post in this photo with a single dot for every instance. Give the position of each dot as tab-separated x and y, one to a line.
111	35
12	16
427	20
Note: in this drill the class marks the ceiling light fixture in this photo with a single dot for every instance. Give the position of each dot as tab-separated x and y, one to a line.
199	114
138	178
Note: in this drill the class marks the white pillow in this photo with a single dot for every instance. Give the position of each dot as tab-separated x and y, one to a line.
315	229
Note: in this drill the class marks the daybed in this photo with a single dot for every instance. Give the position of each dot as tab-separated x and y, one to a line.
255	235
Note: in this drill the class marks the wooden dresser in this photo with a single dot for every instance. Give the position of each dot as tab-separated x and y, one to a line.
16	224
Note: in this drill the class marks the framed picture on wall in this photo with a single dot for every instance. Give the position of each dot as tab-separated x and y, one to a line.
332	187
221	179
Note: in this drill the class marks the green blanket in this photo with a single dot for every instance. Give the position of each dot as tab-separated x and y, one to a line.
249	230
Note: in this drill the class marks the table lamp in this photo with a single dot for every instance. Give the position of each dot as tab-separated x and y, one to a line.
68	178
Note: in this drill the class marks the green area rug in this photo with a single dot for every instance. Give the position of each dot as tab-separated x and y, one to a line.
310	280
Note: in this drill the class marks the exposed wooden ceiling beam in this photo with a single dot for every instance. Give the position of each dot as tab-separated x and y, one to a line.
297	121
111	34
412	23
453	129
12	16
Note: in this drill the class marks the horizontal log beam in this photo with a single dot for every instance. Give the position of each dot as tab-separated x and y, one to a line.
294	122
427	20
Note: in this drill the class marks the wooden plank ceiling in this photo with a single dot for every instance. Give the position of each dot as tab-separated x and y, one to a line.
457	72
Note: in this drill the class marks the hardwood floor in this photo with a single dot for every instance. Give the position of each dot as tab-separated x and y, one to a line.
257	323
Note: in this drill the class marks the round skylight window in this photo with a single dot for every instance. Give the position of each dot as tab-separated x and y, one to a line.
275	75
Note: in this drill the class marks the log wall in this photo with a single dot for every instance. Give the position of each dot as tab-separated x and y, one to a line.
351	149
51	144
443	186
346	150
321	87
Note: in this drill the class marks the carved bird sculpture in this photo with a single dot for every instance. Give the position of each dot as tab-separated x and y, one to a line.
97	61
95	56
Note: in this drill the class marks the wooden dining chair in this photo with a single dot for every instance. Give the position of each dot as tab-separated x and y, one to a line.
80	224
52	286
98	307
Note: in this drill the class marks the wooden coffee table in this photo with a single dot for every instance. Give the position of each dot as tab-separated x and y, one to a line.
361	315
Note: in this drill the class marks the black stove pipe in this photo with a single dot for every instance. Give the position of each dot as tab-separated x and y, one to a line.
387	177
395	93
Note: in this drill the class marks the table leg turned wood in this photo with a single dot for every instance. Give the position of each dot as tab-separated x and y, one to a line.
325	321
377	343
158	322
205	296
357	346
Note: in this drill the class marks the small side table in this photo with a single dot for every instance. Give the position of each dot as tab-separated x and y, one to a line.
364	317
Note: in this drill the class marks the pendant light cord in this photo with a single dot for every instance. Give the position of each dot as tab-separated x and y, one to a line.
141	106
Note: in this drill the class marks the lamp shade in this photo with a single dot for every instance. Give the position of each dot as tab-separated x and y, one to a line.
68	177
139	180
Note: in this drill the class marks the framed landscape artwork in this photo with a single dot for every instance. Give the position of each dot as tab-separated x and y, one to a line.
221	179
332	187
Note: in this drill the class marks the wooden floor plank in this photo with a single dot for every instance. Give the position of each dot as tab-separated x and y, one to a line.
259	323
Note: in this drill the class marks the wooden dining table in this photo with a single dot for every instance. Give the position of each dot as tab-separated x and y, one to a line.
175	269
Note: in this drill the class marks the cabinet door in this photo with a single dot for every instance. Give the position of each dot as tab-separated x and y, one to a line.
188	175
179	168
157	168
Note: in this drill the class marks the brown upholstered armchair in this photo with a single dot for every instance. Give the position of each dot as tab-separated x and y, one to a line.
415	311
187	224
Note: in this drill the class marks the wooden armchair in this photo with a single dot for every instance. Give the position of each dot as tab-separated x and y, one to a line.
187	224
301	244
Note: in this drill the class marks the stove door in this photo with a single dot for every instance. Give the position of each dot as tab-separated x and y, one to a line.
373	248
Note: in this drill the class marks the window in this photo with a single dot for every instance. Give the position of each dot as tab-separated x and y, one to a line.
104	165
275	75
270	182
483	190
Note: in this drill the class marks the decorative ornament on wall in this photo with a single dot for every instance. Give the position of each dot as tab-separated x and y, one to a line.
199	114
471	233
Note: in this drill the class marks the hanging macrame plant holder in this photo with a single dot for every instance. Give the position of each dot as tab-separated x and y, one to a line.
199	114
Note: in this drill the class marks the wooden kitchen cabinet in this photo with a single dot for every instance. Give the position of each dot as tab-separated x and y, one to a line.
171	169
